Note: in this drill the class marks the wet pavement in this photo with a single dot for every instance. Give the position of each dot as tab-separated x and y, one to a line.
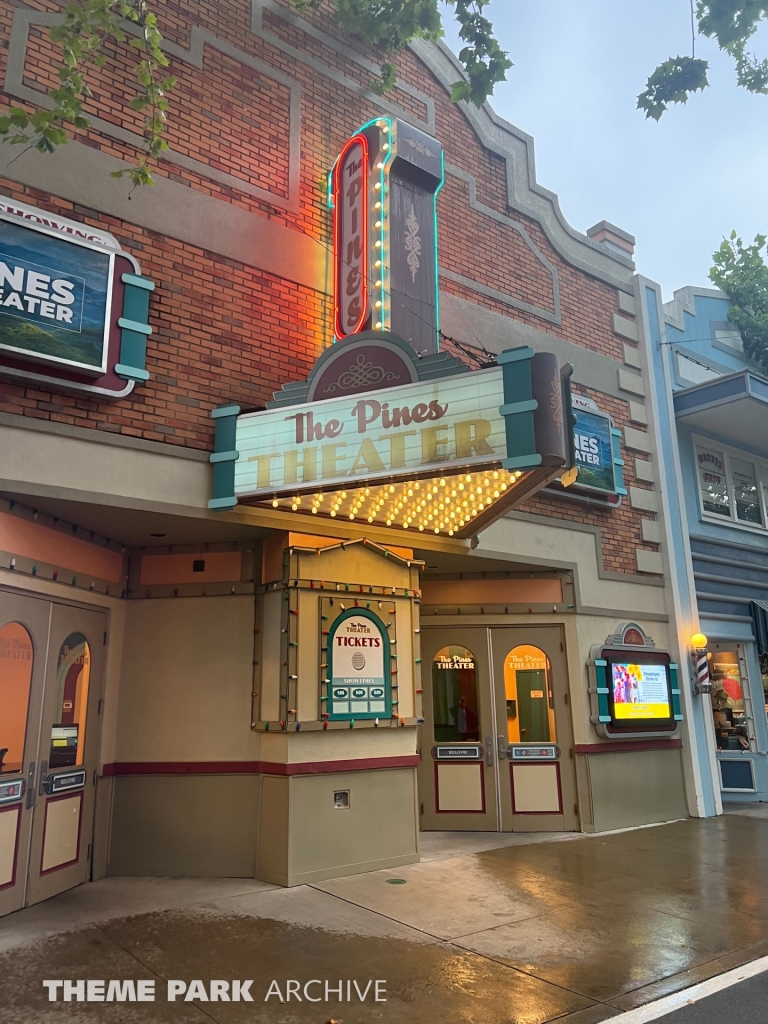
575	929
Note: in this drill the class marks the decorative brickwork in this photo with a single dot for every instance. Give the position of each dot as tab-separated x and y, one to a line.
225	331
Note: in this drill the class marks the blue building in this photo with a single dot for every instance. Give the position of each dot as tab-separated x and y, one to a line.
711	404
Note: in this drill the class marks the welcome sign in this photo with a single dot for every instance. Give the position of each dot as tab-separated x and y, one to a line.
55	298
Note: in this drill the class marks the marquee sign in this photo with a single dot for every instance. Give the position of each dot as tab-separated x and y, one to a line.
383	190
442	454
73	306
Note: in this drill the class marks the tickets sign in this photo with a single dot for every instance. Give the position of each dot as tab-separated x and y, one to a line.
358	663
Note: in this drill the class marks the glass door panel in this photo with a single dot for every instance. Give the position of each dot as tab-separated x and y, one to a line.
457	774
537	778
69	746
23	640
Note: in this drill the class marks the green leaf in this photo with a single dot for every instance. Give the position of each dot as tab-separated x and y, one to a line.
672	82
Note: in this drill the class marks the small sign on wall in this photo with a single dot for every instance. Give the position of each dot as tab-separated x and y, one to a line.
358	666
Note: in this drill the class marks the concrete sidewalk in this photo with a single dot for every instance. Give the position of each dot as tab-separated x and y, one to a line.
487	929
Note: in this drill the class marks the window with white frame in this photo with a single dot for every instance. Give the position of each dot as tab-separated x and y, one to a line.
732	485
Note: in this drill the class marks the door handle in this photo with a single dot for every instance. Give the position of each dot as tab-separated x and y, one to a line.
31	791
43	774
488	751
501	744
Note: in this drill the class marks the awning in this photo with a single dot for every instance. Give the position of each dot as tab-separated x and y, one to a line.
734	406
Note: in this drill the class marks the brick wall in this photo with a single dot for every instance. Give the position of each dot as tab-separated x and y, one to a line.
226	332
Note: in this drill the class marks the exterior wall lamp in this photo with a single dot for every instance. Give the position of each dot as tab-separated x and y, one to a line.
702	682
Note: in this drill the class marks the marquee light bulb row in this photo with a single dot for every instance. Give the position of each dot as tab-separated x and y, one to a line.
442	505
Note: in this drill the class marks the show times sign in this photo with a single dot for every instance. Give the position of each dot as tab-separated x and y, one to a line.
593	450
55	298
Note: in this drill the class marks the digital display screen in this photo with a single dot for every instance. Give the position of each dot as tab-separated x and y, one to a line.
640	692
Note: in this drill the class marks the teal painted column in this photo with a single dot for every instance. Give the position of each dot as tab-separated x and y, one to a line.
224	457
134	328
518	409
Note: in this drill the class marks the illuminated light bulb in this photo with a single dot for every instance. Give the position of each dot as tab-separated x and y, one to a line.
495	494
405	526
417	486
377	186
343	494
487	482
481	505
385	147
437	529
385	128
377	243
378	284
377	224
421	528
351	515
377	263
461	487
377	303
294	506
442	483
370	519
314	511
333	511
503	487
474	511
468	479
453	494
495	474
391	489
379	167
274	503
465	504
389	522
378	325
377	206
450	533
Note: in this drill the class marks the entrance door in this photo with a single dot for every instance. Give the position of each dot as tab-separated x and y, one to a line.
457	774
51	848
497	737
538	776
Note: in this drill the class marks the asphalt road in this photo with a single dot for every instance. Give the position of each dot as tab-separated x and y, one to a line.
743	1003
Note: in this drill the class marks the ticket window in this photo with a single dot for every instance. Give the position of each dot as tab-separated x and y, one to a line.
529	697
73	672
455	696
16	661
731	702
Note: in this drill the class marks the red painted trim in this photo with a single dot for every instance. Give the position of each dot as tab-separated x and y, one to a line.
18	808
438	809
68	863
513	765
362	141
621	745
257	767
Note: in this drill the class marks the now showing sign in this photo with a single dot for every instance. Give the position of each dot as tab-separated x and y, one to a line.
431	426
55	294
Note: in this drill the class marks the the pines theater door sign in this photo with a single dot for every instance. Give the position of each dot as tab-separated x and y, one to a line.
73	305
387	429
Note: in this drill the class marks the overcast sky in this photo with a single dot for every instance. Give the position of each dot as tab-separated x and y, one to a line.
680	185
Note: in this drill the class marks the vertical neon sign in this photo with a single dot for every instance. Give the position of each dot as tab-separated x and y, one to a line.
383	190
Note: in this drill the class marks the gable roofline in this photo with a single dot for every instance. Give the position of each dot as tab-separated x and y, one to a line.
524	194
